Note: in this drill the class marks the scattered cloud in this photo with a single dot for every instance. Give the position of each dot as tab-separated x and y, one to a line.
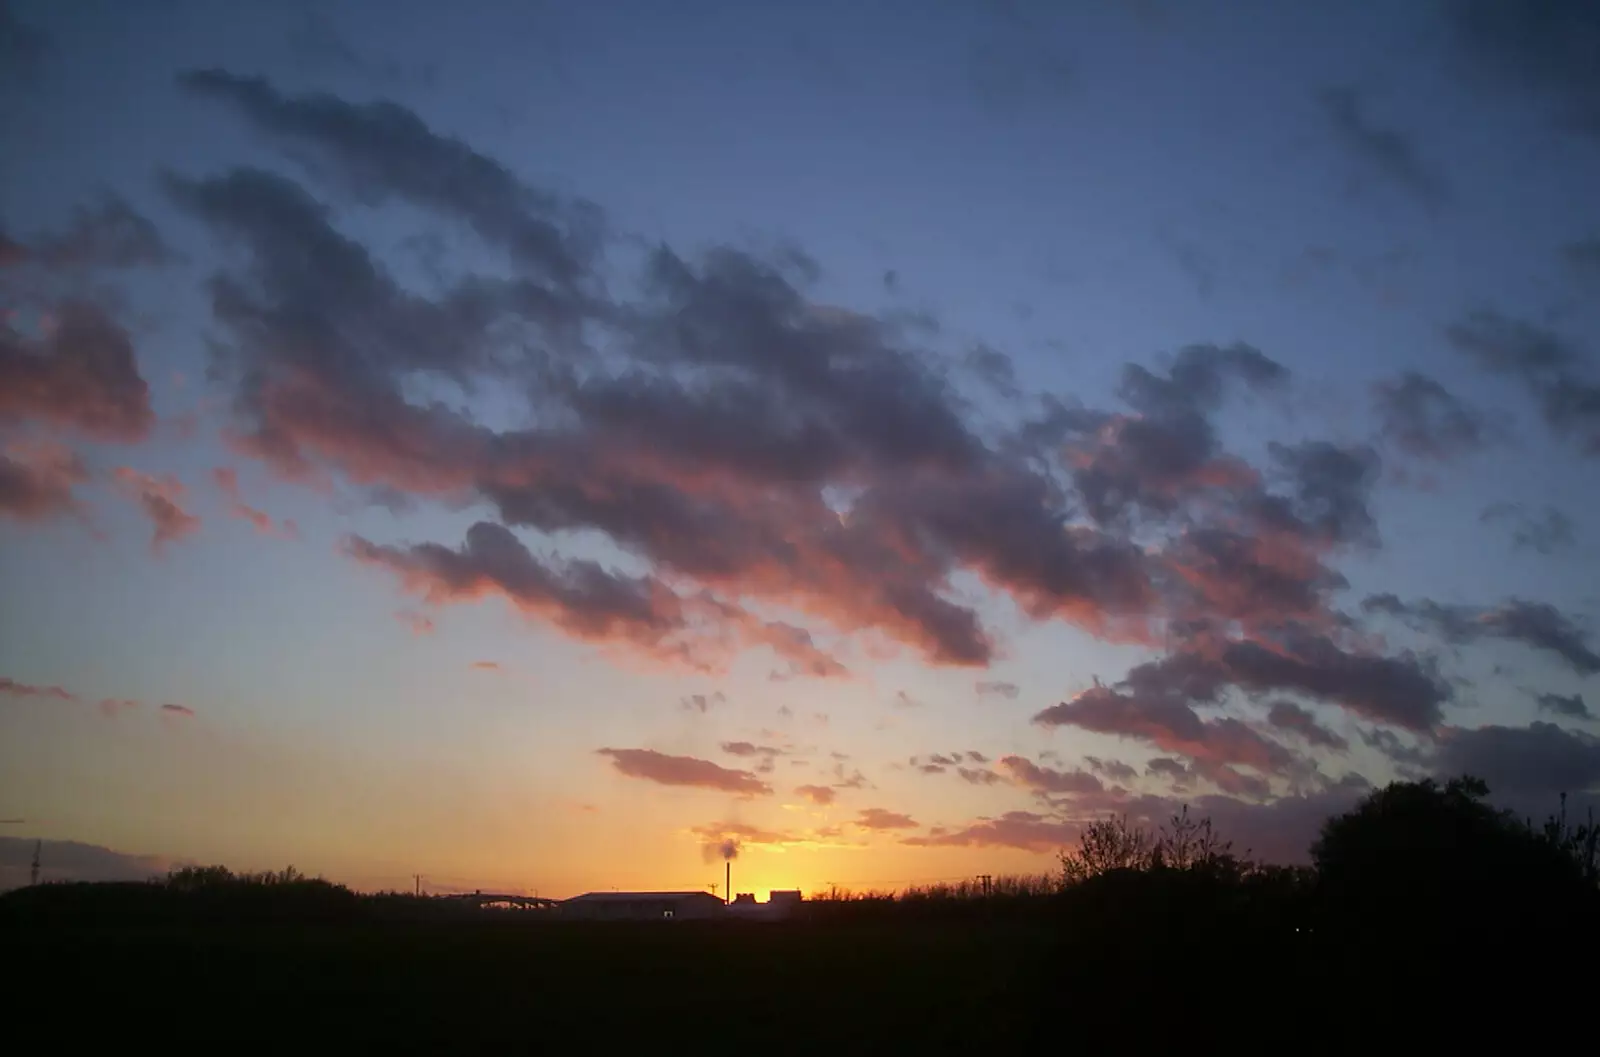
1536	625
161	499
486	666
702	703
688	771
419	623
1384	151
81	374
994	688
227	481
877	818
1039	779
37	481
1546	531
1570	706
1422	418
1299	722
15	689
1552	368
182	711
820	795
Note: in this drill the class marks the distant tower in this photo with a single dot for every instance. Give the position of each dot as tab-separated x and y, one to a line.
33	875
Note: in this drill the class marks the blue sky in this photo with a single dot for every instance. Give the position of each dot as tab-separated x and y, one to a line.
1366	200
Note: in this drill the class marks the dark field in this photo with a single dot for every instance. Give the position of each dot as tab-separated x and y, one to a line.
509	986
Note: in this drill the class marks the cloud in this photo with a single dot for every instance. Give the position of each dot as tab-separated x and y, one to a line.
1537	625
1024	830
37	481
1538	759
1545	49
82	374
1422	418
419	623
1554	370
582	598
877	818
22	47
1172	726
1111	770
1572	706
380	151
718	838
1048	780
820	795
160	498
1582	257
994	688
689	771
1384	151
486	666
1546	532
227	482
70	860
15	689
702	702
978	776
1292	719
182	711
109	234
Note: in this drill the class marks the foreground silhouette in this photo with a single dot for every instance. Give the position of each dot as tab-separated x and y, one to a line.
1420	898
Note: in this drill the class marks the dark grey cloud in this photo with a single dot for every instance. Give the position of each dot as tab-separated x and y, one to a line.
1171	725
1422	418
1537	625
381	150
1404	691
1111	770
997	688
658	767
1554	369
1571	706
1330	487
1542	758
1299	722
1384	151
1547	531
22	47
1545	47
1026	773
70	860
110	233
1582	257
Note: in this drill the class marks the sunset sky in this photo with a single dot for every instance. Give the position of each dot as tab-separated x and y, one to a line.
531	445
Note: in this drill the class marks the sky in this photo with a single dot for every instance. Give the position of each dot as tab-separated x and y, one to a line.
551	447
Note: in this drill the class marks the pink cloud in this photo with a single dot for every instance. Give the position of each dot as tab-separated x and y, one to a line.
689	771
81	374
37	479
486	666
227	482
16	689
161	499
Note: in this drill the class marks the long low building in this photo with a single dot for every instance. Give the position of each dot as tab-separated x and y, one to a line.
641	906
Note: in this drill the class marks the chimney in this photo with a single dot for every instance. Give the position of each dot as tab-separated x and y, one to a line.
727	882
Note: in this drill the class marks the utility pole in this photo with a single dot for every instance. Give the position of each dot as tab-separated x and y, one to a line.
417	880
33	876
987	880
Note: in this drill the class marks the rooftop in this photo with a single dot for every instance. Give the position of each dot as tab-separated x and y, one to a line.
629	897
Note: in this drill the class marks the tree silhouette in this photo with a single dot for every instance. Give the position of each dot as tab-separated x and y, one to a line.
1438	865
